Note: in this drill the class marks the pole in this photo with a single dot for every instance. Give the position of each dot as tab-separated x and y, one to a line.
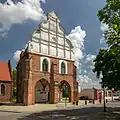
104	99
65	96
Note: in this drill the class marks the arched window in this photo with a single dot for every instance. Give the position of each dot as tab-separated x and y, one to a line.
62	68
2	89
45	65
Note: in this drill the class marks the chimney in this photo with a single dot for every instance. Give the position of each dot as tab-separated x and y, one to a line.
10	68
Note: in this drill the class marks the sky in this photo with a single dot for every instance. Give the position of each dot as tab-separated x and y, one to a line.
19	18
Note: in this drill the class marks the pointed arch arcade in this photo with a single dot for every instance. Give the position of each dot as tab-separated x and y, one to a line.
42	91
65	90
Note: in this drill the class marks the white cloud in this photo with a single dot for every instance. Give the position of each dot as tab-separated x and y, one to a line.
90	57
77	36
16	56
103	27
83	79
11	13
85	76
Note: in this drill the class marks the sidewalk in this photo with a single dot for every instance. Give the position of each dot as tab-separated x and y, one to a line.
45	107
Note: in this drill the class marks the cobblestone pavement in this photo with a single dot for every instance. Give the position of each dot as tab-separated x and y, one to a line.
88	112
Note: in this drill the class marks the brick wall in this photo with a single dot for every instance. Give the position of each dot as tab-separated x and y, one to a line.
8	92
33	74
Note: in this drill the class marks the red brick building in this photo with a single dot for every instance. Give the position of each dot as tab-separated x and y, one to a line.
5	82
46	71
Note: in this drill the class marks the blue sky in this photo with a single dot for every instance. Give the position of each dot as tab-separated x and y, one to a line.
72	13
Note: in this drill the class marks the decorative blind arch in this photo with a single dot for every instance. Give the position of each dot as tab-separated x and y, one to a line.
63	68
45	65
46	61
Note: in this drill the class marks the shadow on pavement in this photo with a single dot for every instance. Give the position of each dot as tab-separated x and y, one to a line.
91	113
11	104
9	111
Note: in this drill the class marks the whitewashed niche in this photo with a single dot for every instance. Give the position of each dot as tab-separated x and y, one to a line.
52	51
66	67
34	47
41	61
44	35
67	54
60	53
44	49
60	40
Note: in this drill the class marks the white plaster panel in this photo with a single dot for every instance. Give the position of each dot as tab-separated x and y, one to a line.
34	47
44	49
51	32
61	40
59	29
44	35
66	43
45	25
72	55
53	44
66	67
41	60
44	42
61	47
44	29
37	35
52	51
51	37
67	48
59	35
67	54
53	14
60	53
35	39
52	25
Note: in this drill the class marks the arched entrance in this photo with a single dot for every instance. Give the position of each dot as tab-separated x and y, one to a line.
65	91
42	91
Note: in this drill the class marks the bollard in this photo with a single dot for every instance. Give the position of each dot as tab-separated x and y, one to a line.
106	101
73	102
85	102
93	101
77	102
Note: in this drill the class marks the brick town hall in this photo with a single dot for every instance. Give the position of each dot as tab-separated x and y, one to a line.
46	72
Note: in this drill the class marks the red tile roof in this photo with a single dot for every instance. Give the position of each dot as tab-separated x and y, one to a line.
5	74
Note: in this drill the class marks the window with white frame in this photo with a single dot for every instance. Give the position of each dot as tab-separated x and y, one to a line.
45	64
63	67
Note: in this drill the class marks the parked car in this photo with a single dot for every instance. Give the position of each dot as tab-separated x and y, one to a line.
83	98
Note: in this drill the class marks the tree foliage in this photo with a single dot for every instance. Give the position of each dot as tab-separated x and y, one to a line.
107	62
14	74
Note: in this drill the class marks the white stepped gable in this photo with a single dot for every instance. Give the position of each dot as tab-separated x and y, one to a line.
51	40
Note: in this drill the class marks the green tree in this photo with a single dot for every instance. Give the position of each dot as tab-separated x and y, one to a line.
14	76
107	67
110	15
107	62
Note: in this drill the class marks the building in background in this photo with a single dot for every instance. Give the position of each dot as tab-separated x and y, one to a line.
89	94
46	72
110	95
5	82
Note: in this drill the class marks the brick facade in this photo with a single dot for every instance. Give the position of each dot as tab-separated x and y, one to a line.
28	74
8	93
